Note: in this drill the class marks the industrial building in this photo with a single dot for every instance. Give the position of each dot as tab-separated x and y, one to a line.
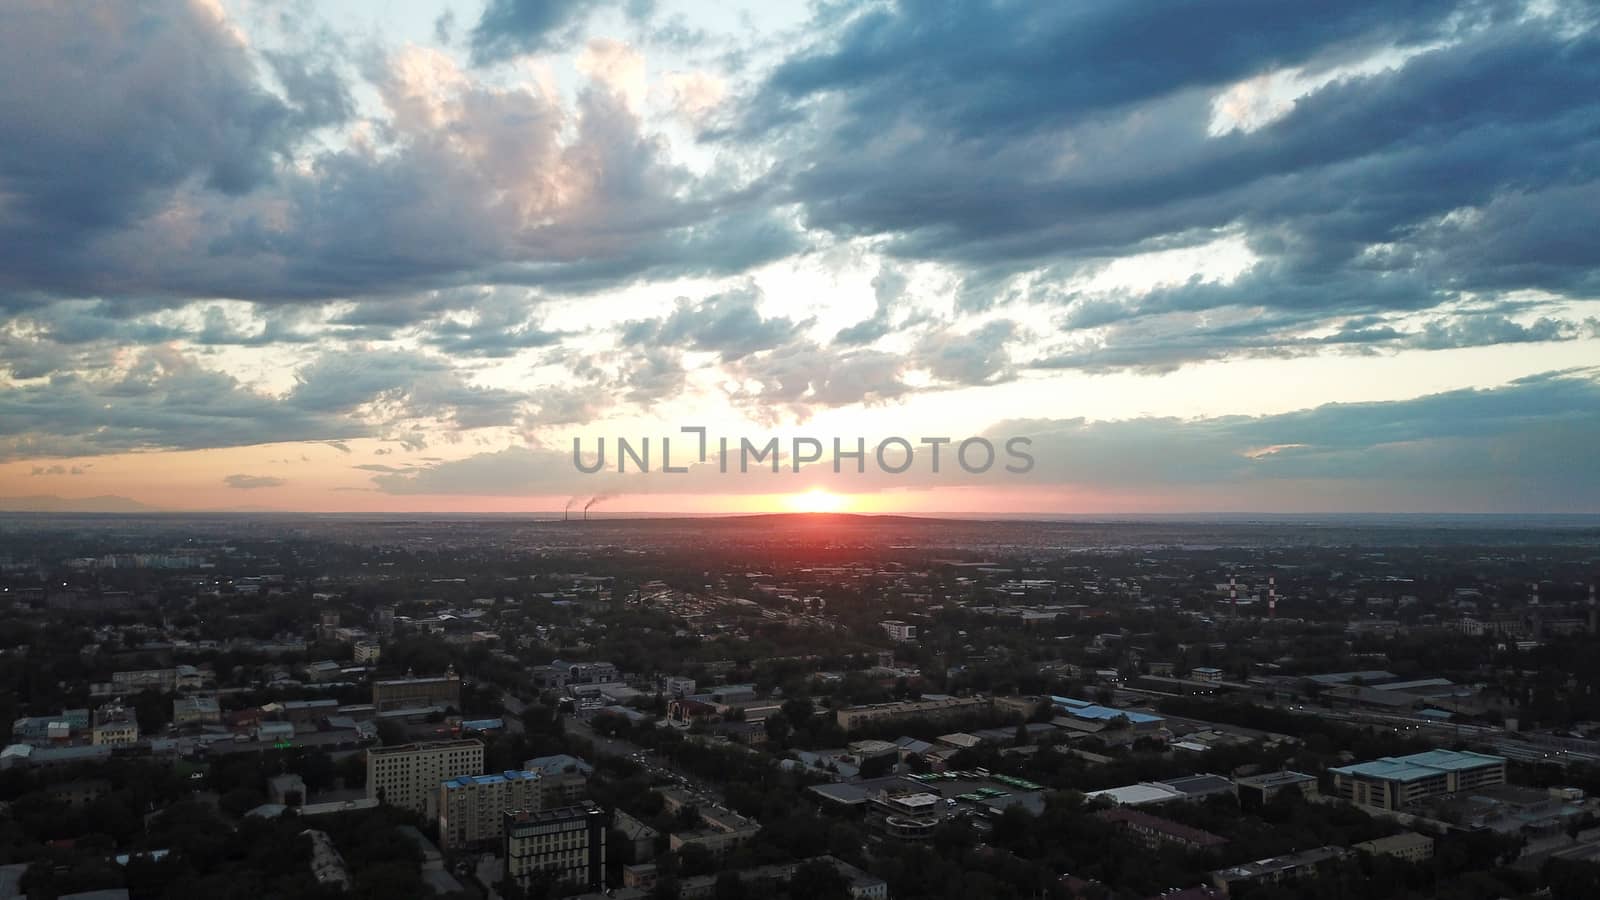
1396	782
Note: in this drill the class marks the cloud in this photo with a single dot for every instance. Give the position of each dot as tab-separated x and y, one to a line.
1523	446
729	324
161	158
977	67
253	482
165	399
888	287
1438	154
59	469
105	131
512	27
973	358
803	374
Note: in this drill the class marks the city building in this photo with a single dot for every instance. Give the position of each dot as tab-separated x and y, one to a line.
563	779
274	731
677	686
899	631
1397	782
1154	831
636	833
196	709
568	843
164	680
931	706
409	775
472	807
30	729
1256	791
417	693
719	830
1083	711
367	652
907	815
560	673
1407	845
1276	870
114	726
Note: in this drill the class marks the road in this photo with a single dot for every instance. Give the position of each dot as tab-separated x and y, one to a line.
658	766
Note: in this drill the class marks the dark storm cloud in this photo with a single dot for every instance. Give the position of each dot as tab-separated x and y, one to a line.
512	27
166	400
1366	157
1018	139
1004	69
144	156
1159	344
106	114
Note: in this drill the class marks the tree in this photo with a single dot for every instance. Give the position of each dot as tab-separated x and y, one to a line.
778	730
817	880
729	887
241	800
694	859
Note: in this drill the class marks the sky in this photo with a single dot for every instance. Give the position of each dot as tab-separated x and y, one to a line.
1231	256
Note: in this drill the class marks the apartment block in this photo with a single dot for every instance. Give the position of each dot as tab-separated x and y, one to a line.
409	775
472	807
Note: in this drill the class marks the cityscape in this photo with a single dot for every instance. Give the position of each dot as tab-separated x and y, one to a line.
825	450
821	705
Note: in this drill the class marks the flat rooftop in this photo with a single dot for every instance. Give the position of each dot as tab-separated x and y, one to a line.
1275	779
505	777
1417	766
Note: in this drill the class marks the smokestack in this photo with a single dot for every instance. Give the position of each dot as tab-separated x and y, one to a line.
1272	597
592	501
1233	594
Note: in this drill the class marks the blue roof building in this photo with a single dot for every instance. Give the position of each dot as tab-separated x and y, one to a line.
1395	782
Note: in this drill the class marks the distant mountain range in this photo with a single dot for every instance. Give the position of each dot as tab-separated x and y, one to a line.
51	503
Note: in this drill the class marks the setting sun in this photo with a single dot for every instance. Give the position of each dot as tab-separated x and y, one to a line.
817	500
